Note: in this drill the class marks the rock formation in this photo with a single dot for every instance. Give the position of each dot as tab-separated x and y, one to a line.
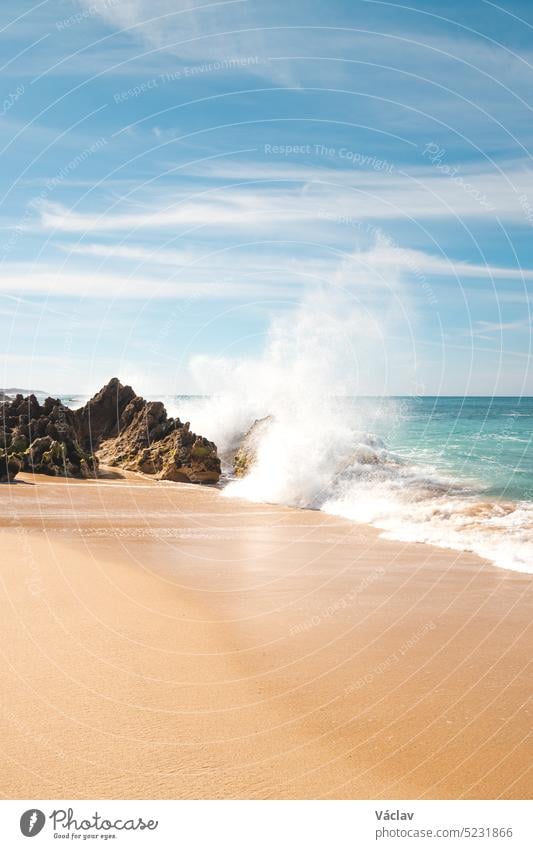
42	438
116	426
151	442
247	453
9	467
100	418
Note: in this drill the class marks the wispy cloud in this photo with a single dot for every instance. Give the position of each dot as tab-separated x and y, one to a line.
389	257
272	197
245	272
45	281
382	257
484	327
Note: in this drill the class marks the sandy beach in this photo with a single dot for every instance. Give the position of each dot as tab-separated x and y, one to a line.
162	641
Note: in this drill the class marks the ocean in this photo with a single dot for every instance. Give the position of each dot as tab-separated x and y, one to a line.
485	442
464	478
451	471
454	472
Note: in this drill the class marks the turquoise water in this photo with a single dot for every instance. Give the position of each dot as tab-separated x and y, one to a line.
485	442
453	472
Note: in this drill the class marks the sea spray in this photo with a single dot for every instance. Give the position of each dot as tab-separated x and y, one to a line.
321	448
311	360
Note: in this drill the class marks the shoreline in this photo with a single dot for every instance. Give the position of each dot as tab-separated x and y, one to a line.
166	642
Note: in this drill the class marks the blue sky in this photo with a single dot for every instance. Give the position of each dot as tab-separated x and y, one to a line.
178	175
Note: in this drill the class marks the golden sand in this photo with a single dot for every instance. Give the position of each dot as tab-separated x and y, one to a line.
162	641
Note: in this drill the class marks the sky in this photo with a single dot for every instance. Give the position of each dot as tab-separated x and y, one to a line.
180	177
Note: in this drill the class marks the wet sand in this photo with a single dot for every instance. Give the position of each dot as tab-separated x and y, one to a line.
162	641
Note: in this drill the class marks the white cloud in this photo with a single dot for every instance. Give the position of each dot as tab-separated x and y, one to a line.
135	254
386	256
296	200
382	257
22	278
248	272
195	31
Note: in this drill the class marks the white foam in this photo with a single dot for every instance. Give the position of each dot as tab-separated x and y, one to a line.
313	455
499	532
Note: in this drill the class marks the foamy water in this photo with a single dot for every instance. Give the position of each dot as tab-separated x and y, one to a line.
367	483
454	472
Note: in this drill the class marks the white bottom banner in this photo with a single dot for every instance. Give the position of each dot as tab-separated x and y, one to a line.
267	824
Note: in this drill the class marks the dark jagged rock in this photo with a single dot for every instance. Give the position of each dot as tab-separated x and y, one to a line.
123	428
43	439
152	443
9	467
100	418
247	452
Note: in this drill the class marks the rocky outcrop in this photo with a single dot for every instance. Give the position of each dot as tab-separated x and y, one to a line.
247	452
100	418
116	425
152	443
42	438
9	467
